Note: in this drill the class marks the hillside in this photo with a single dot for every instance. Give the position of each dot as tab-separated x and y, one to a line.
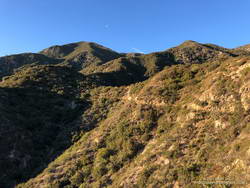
165	119
10	64
81	54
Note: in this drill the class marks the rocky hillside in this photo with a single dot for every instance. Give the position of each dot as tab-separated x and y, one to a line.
176	118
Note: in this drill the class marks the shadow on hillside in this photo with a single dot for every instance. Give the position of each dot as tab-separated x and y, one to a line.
35	127
132	70
128	73
15	63
120	78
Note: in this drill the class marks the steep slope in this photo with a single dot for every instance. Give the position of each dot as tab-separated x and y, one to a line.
165	119
43	115
38	114
187	123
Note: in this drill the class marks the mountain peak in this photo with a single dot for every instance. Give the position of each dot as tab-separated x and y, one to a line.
189	43
81	53
71	49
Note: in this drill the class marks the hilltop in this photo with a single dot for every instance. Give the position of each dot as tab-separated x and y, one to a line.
83	115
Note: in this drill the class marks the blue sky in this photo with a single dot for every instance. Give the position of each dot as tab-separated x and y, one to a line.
125	26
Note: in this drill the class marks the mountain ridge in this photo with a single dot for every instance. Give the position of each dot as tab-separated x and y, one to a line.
89	54
88	119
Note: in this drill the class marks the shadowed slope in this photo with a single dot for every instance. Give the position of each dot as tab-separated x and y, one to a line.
10	64
38	115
